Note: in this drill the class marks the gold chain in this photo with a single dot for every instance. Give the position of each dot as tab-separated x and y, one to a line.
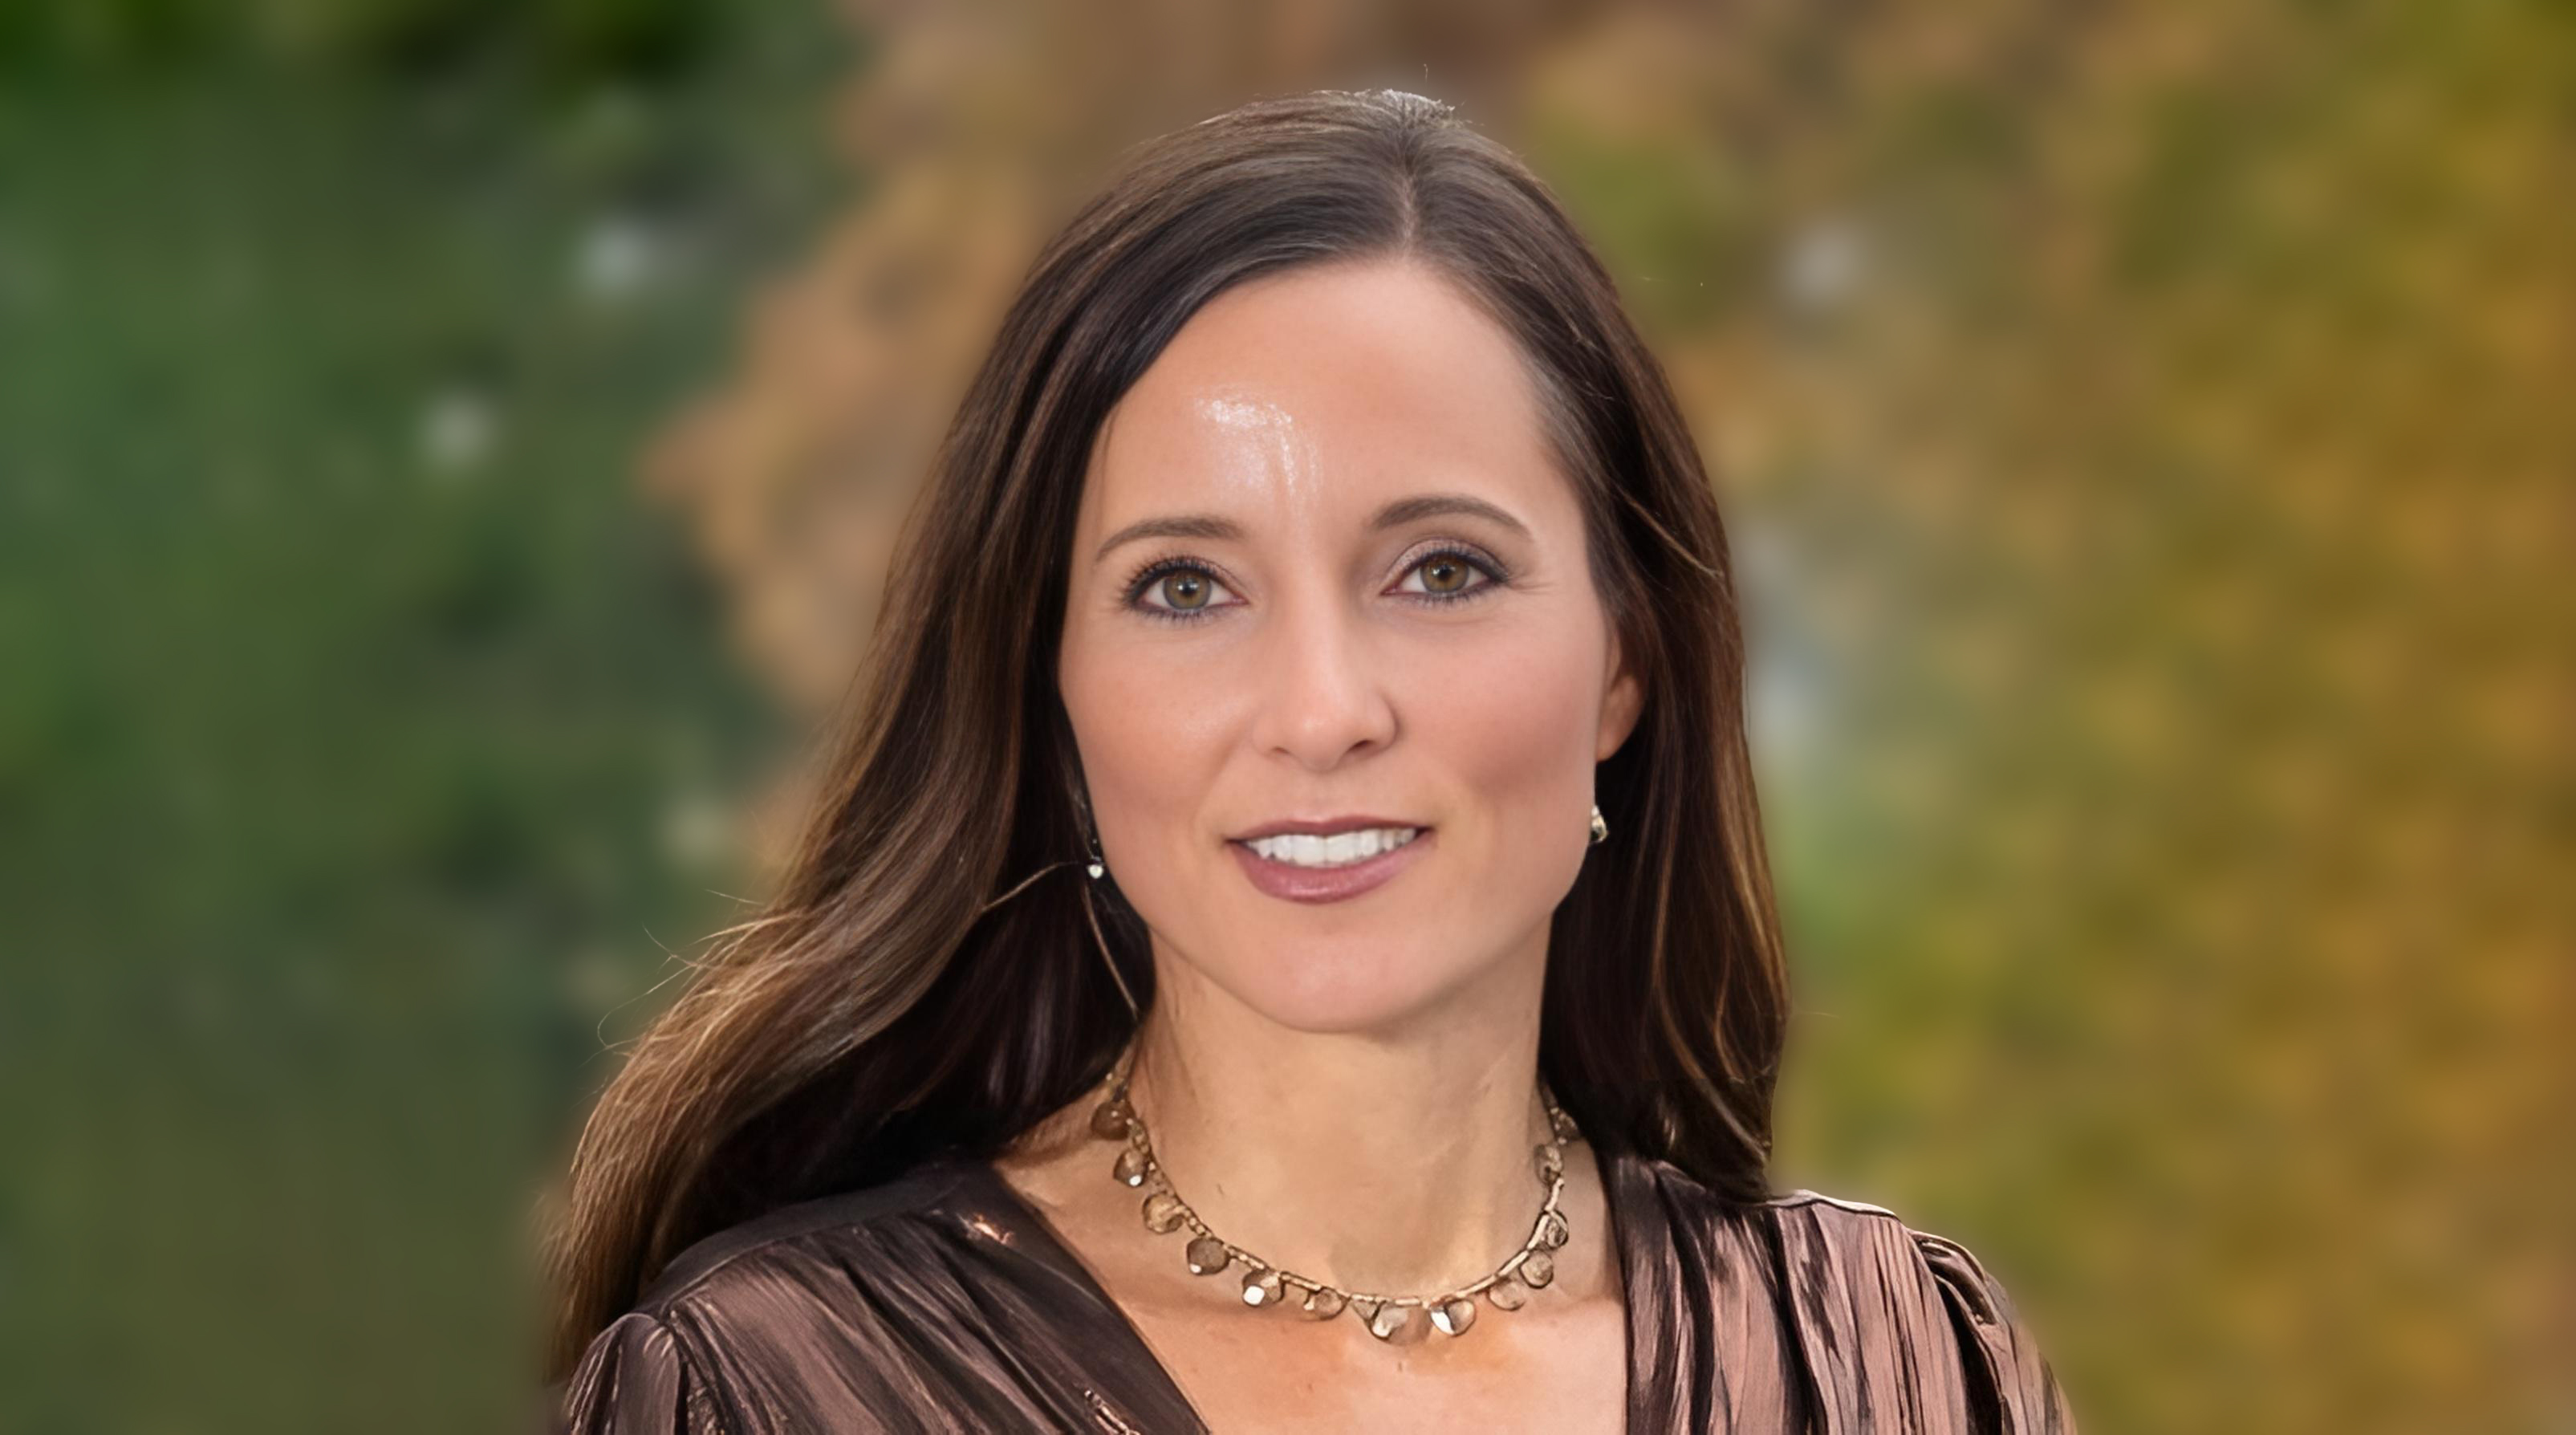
1388	1317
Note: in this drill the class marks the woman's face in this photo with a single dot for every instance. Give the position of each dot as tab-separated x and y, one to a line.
1326	575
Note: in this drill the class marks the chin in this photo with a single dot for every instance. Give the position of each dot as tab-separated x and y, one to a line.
1355	988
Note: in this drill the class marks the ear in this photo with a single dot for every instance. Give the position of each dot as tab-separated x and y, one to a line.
1623	696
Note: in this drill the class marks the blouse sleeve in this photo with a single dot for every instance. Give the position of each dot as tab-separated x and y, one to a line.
636	1379
2003	1364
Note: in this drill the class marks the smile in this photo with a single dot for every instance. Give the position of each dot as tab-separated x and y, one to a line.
1335	867
1339	850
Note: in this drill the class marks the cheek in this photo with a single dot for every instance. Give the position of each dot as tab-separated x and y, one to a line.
1512	721
1149	746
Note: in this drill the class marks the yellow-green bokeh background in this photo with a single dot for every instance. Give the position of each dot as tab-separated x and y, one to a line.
448	451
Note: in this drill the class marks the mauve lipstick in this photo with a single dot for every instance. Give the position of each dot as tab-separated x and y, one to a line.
1326	884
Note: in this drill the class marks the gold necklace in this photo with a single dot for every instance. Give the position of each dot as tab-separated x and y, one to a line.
1395	1319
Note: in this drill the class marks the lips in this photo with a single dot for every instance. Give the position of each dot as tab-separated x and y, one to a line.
1291	883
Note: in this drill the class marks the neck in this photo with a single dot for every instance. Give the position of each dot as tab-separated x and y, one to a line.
1395	1160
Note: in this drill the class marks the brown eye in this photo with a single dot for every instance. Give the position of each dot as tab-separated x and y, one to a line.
1450	576
1186	590
1177	592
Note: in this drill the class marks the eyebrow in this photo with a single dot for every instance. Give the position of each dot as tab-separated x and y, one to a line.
1217	528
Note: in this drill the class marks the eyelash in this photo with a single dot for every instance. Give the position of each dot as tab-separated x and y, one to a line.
1157	569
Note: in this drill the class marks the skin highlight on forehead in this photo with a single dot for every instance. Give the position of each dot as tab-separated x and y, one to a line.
1384	377
1264	435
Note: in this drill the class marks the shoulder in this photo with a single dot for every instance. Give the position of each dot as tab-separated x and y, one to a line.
1835	1248
1892	1324
717	1265
727	1337
1883	1291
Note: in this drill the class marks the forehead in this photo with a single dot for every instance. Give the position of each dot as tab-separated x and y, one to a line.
1321	387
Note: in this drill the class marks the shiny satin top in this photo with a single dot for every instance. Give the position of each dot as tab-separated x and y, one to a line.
942	1301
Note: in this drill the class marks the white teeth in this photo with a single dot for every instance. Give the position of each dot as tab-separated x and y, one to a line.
1339	850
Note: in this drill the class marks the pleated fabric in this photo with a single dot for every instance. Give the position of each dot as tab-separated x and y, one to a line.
941	1302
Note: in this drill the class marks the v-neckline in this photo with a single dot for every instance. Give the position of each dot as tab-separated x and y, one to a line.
1635	1339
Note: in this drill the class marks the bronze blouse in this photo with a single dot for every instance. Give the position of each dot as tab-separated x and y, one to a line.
941	1301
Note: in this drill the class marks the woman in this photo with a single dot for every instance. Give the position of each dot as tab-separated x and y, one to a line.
1286	942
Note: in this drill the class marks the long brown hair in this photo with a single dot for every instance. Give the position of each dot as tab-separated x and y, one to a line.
878	1010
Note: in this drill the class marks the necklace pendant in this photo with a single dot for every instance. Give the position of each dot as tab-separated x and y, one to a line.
1207	1256
1261	1287
1397	1324
1454	1315
1322	1304
1551	1231
1162	1213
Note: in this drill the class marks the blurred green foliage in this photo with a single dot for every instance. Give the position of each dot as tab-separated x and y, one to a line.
571	41
359	723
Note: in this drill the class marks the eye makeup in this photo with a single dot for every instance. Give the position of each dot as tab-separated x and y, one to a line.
1155	570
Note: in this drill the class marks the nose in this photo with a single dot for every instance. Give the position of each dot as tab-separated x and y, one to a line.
1325	694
